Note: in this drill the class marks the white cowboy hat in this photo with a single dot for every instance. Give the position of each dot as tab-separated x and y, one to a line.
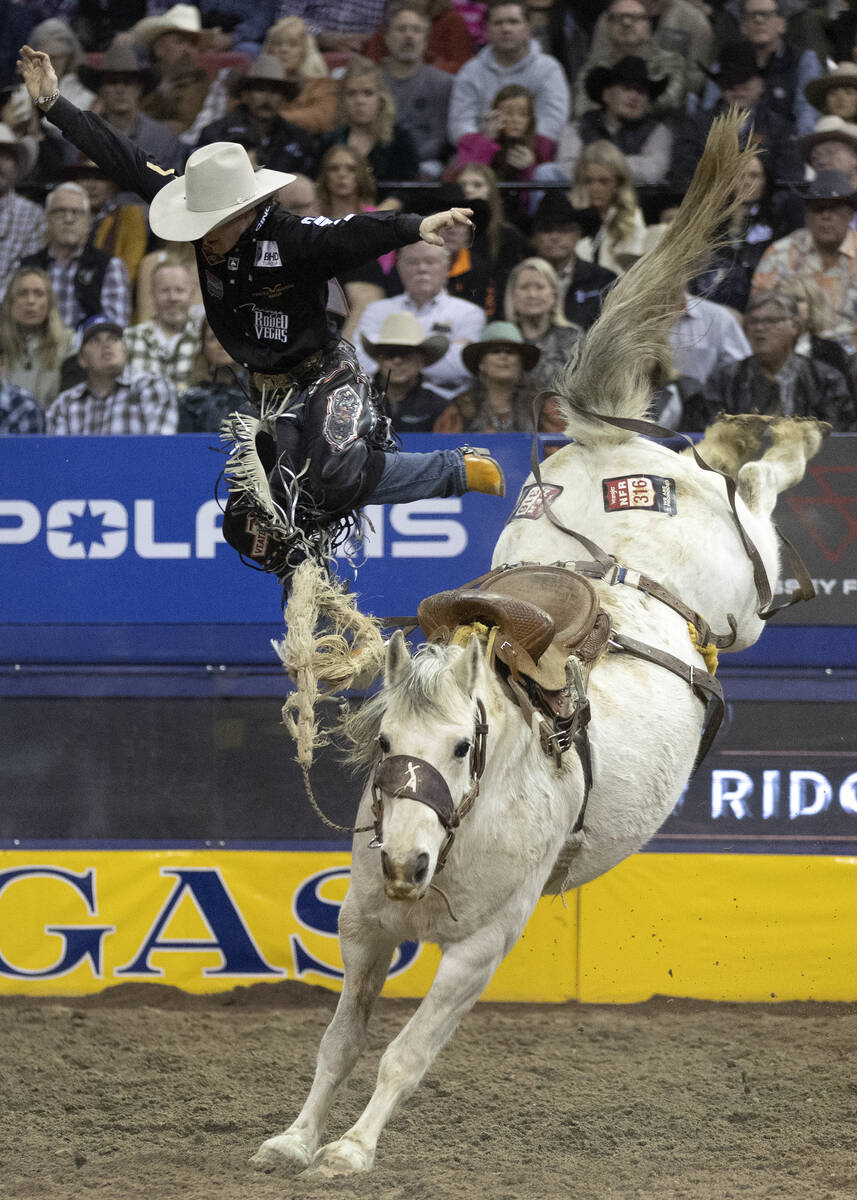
843	75
24	149
181	18
403	331
219	182
829	129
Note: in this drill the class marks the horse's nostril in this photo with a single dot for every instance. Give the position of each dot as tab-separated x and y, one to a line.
385	864
421	868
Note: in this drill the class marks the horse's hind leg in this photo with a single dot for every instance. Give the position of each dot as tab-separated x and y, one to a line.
464	972
367	958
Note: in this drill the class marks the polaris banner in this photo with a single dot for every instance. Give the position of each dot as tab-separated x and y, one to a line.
126	531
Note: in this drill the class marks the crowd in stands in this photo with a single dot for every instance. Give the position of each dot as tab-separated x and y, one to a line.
571	128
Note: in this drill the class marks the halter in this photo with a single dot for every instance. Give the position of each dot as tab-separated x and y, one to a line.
416	779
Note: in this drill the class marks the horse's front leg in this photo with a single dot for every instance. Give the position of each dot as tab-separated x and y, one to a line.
464	972
366	956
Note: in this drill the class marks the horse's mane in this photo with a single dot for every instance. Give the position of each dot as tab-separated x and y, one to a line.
429	688
609	373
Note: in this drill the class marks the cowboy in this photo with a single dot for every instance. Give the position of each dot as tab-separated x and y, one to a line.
557	228
279	144
402	351
264	275
832	146
173	40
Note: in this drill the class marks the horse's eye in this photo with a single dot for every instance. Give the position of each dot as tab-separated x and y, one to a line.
384	743
462	749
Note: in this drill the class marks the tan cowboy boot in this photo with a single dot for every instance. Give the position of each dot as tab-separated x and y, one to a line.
484	473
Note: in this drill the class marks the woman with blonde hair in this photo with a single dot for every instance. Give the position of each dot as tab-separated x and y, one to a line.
367	123
533	302
314	104
35	342
602	180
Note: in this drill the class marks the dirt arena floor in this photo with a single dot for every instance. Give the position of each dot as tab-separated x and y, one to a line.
146	1092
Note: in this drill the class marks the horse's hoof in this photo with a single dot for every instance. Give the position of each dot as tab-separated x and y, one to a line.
340	1158
285	1152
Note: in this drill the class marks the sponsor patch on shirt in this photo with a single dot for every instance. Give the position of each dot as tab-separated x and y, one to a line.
268	254
232	264
653	492
271	325
341	417
213	285
531	504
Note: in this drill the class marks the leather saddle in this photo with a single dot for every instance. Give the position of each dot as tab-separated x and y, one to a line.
542	615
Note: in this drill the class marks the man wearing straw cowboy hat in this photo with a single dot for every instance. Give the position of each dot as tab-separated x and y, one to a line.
264	275
401	352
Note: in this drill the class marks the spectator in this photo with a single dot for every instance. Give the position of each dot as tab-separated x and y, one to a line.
238	26
557	229
472	275
679	26
677	400
402	353
255	121
423	270
170	343
172	41
534	305
339	28
813	317
97	22
217	386
624	94
35	342
756	223
832	146
602	181
835	95
420	92
367	123
50	153
22	223
85	280
19	412
508	58
557	32
704	337
774	379
117	229
498	400
500	243
300	197
120	84
110	401
629	33
313	104
740	81
824	251
449	43
509	144
171	252
784	68
58	39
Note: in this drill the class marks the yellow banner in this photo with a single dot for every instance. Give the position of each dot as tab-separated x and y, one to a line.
711	926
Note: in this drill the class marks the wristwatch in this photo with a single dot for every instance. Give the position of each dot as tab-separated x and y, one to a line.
48	99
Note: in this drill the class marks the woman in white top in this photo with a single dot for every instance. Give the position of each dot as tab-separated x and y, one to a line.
602	181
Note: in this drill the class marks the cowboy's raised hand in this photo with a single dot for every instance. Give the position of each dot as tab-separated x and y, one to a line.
39	76
430	227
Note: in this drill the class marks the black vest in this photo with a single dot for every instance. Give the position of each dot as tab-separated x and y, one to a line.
88	280
630	137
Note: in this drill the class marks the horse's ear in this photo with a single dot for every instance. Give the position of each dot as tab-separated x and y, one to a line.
397	664
468	666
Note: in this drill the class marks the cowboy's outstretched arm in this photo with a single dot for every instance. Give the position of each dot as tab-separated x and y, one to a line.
124	161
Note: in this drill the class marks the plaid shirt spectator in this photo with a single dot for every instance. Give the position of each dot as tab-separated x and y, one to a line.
22	231
145	404
795	255
148	353
19	412
115	291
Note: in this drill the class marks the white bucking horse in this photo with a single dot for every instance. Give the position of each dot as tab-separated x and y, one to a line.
548	729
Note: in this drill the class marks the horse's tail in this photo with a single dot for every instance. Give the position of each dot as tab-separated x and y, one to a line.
610	373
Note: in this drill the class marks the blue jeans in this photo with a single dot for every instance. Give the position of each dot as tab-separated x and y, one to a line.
409	477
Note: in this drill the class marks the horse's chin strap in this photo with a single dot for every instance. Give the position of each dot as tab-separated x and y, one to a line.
416	779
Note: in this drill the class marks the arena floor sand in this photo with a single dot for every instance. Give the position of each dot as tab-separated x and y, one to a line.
146	1092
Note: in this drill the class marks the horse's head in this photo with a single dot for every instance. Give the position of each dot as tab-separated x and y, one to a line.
431	743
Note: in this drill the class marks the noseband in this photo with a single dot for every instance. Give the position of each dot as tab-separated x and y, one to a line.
415	779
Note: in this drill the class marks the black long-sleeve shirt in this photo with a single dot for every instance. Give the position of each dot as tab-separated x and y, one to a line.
266	298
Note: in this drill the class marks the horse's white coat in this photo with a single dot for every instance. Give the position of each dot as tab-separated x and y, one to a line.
644	734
